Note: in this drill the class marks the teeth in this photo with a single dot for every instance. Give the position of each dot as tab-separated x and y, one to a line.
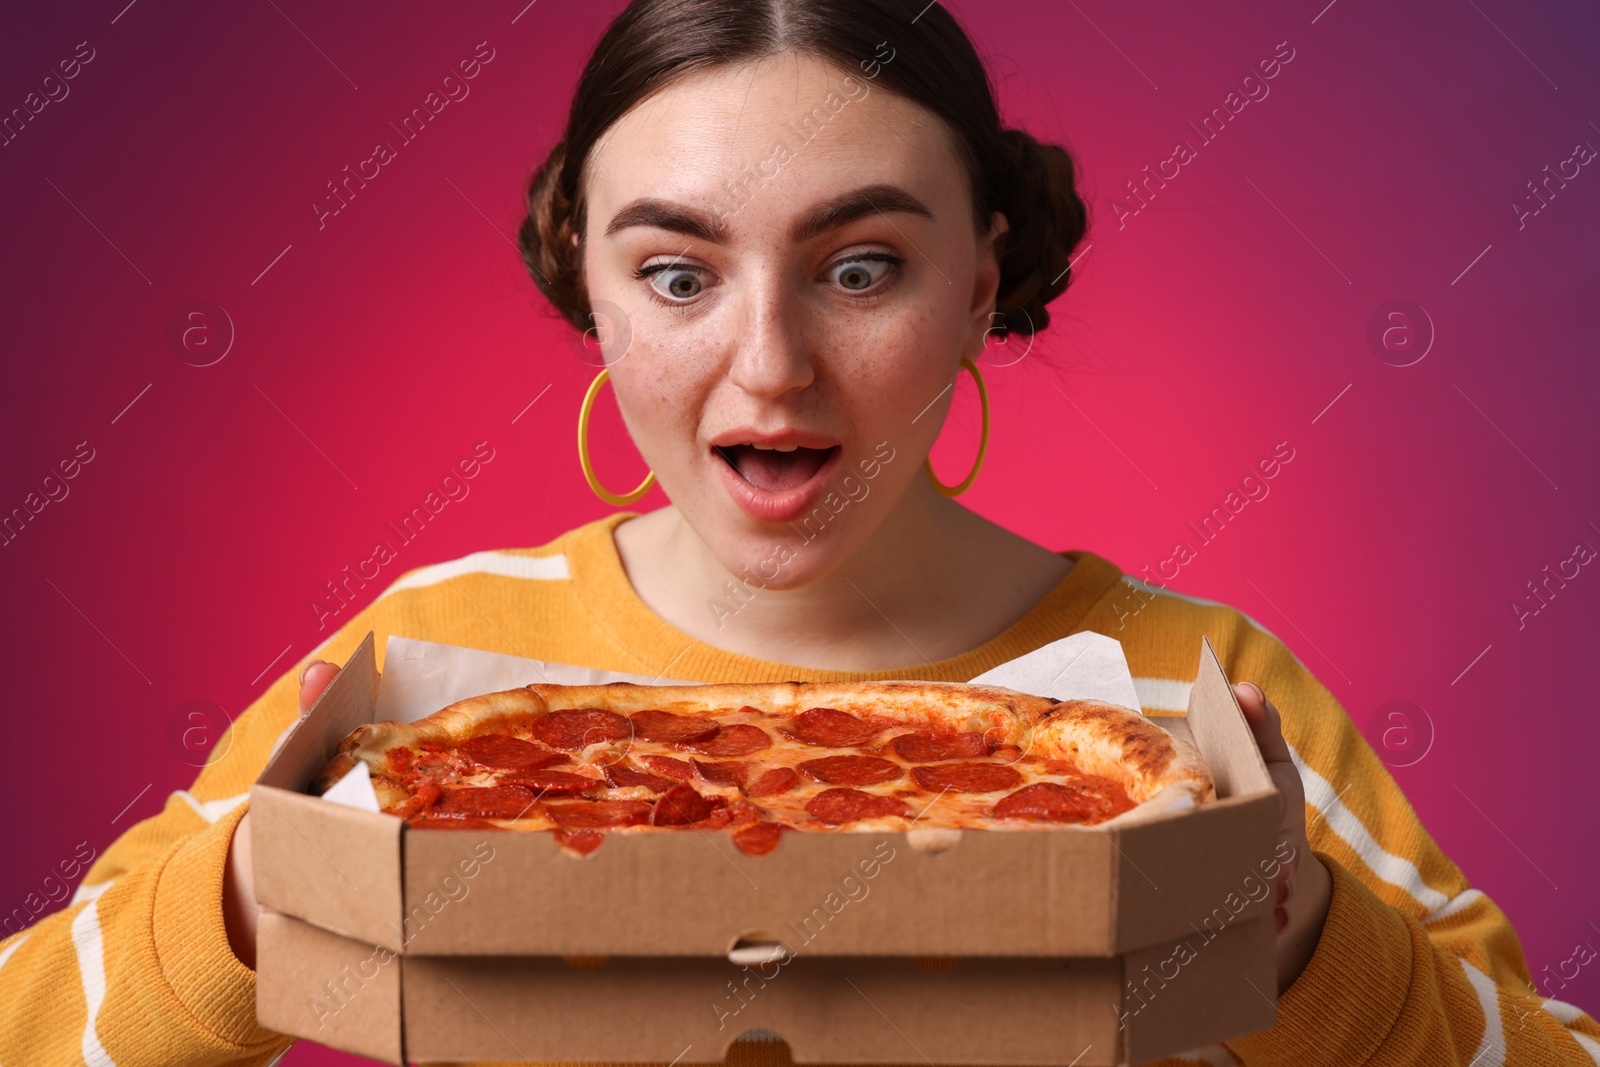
774	448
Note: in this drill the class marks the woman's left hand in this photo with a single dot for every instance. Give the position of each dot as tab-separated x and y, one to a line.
1303	887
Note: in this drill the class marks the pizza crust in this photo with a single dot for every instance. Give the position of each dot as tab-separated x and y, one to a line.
1156	769
1109	740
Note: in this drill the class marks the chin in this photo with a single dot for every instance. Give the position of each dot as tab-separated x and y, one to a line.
780	559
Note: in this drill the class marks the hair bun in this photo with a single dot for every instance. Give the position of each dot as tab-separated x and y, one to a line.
1048	219
545	240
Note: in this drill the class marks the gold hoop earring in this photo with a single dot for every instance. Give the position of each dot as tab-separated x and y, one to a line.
583	451
983	440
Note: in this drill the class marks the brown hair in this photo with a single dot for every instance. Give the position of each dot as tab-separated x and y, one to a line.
653	42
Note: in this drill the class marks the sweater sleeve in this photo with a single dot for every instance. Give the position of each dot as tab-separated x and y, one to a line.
137	968
1414	966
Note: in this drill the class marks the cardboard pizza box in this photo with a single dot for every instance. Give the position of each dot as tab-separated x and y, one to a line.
1015	947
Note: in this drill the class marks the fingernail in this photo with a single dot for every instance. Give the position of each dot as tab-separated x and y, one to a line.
307	667
1288	884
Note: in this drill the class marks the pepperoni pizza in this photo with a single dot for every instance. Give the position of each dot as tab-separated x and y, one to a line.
759	760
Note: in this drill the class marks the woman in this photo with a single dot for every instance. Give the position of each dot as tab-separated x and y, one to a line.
794	222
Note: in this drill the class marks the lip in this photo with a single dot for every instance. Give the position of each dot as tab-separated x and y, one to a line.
799	438
764	506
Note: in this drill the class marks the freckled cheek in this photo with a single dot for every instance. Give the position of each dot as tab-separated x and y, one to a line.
664	400
904	363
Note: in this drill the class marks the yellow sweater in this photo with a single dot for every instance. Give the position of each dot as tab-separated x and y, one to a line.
1413	967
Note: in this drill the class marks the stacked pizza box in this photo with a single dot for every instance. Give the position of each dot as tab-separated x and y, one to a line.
1088	946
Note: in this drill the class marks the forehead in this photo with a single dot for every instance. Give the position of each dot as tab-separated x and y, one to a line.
768	138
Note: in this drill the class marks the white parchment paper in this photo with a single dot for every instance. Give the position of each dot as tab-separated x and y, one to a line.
420	677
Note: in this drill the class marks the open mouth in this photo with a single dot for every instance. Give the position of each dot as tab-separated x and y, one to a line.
776	468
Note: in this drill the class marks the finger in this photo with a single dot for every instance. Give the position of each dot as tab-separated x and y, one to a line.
314	678
1265	723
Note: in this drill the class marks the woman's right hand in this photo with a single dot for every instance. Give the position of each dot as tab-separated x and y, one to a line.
239	906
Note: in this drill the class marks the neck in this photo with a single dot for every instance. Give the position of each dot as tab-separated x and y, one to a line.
930	581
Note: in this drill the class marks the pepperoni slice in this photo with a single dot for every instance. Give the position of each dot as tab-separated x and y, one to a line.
851	770
682	770
834	807
555	783
730	773
621	775
967	777
598	814
582	842
681	805
931	748
581	727
771	783
743	813
1098	799
740	739
424	796
506	753
759	839
665	726
718	818
489	801
828	728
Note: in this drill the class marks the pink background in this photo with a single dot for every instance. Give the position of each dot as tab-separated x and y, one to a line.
1221	319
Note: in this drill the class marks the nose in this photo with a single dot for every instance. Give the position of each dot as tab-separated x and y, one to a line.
772	356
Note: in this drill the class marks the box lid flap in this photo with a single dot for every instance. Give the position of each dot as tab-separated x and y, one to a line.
1221	732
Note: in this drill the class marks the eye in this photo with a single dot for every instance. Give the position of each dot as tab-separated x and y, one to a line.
861	272
677	282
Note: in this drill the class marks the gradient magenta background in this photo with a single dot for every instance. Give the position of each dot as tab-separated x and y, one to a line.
1217	322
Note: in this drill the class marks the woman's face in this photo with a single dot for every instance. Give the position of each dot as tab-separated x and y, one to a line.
784	265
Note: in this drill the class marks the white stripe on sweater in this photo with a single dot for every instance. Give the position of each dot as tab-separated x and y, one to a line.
1211	1055
534	568
1491	1051
1396	870
210	810
1567	1014
1159	590
90	892
5	953
545	568
86	940
1457	904
1173	695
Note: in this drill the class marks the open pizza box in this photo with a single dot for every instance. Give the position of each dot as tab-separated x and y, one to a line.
1085	946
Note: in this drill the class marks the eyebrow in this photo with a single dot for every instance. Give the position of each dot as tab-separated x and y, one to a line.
828	215
666	215
857	203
